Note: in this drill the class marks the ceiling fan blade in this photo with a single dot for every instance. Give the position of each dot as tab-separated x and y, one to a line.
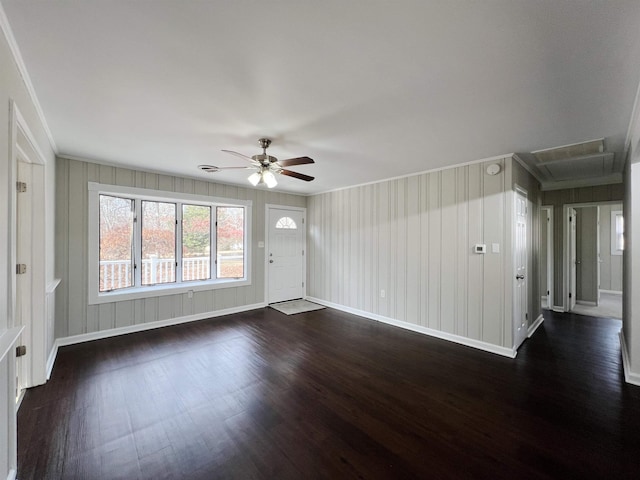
213	168
290	162
244	157
300	176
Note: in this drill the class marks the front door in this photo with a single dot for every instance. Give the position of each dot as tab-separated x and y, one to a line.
285	254
520	321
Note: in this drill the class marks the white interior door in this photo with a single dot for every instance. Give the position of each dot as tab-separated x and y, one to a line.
285	255
572	258
23	311
520	321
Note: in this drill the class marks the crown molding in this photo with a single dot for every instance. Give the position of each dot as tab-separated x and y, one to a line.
22	69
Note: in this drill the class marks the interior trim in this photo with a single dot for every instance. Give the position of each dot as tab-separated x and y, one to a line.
629	376
534	326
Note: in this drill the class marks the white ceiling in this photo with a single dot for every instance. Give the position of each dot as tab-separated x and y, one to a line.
369	89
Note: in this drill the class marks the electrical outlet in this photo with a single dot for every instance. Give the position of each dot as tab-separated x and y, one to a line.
190	294
382	293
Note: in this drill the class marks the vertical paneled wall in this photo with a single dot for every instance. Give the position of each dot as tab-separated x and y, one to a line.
611	265
73	314
403	249
559	198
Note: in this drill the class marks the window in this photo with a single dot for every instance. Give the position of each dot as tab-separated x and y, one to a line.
617	232
286	222
146	243
196	242
158	242
230	250
116	243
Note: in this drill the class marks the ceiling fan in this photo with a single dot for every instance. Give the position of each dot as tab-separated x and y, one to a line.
265	166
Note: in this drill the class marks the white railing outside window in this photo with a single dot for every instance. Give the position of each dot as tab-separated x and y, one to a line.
116	274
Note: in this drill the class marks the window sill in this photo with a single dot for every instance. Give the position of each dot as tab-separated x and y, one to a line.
164	290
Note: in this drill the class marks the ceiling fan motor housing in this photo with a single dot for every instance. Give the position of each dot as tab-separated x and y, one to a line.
264	159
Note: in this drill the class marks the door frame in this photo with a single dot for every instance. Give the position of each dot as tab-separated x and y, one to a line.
519	191
549	242
267	210
566	268
570	290
23	148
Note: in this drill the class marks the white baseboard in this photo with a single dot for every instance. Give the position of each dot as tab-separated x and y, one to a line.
612	292
534	326
114	332
52	359
12	475
469	342
558	309
629	376
585	302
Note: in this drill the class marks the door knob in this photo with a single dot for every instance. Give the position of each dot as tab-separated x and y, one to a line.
519	277
270	261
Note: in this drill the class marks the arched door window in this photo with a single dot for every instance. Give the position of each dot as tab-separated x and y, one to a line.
286	222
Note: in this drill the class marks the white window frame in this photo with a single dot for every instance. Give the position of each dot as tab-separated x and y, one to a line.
138	291
614	232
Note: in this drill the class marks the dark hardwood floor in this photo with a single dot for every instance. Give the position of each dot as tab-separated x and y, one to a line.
262	395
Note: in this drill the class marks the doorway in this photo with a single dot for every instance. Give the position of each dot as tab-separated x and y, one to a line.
546	257
285	253
593	266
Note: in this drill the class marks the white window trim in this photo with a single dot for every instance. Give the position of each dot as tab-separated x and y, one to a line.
96	297
614	233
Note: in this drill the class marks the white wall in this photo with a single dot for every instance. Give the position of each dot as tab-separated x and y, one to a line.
412	237
12	87
73	314
631	300
631	258
611	265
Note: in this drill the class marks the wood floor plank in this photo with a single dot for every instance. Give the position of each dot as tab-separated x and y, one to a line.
325	394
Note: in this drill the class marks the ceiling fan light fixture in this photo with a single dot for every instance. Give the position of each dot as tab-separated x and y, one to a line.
255	178
269	178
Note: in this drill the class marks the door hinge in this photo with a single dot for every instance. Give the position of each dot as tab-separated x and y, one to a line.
526	316
547	292
21	268
303	253
303	284
21	187
21	350
569	294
